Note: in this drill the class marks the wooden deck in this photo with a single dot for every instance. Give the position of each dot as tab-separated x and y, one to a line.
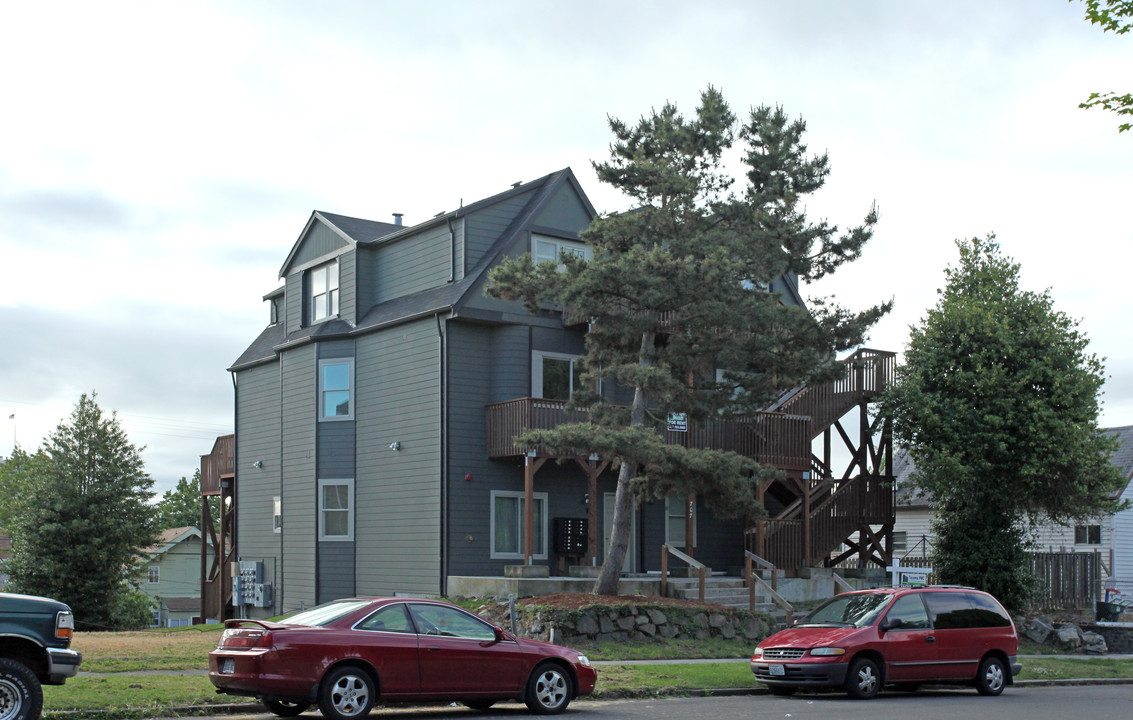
778	439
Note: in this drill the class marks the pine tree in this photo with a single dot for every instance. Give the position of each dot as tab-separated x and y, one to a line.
82	519
998	403
679	293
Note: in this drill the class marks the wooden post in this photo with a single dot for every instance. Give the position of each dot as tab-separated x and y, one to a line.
690	525
664	570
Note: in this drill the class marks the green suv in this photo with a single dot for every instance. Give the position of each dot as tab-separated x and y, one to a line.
35	635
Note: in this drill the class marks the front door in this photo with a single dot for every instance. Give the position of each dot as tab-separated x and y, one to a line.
461	655
630	564
910	648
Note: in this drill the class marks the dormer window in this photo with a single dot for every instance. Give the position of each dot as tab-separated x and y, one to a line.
545	248
324	291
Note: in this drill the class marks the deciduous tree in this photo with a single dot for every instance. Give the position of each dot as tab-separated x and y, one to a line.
181	506
1114	16
997	402
82	519
686	303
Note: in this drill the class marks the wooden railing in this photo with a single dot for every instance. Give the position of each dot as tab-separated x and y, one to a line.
702	569
777	439
772	590
219	464
865	374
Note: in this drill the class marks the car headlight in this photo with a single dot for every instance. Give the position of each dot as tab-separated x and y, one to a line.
827	651
583	660
758	653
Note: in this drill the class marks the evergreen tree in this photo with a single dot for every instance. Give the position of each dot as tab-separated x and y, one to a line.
82	519
679	295
998	405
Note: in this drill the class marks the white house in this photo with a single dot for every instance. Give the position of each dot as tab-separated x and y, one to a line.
1112	536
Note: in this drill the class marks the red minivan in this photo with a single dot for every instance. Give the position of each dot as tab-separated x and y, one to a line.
860	641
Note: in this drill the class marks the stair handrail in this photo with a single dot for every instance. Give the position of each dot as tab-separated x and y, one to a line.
842	584
701	567
752	579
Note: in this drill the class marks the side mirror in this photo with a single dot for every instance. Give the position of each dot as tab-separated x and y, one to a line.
890	624
501	636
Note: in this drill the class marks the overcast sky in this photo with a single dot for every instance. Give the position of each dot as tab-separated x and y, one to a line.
159	159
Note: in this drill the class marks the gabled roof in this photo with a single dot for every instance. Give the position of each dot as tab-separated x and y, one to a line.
449	297
169	538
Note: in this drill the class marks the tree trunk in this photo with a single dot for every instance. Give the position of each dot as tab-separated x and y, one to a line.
607	582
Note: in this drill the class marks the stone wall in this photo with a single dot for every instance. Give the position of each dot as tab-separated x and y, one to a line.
631	622
1118	636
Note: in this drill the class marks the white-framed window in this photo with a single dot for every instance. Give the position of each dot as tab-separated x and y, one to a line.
554	376
507	525
336	389
154	574
677	511
900	540
1088	535
277	514
548	249
324	291
336	510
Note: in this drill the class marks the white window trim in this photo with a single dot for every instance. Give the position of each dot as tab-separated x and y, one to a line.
154	571
560	245
349	362
336	290
349	536
536	554
670	514
537	369
277	512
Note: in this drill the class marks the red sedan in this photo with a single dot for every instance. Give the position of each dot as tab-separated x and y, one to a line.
347	654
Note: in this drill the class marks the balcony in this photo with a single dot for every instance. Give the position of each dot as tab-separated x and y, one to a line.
776	439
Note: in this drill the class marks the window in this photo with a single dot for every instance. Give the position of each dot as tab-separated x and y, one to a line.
336	386
910	611
507	525
336	510
391	618
1088	535
554	376
277	514
450	622
677	510
324	291
900	540
548	249
154	575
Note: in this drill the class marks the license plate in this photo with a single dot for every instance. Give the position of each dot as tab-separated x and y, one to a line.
776	669
227	666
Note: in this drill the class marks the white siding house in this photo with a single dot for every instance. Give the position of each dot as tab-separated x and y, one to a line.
1111	536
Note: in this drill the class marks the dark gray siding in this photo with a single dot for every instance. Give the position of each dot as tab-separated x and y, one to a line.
459	253
484	227
257	437
300	489
398	493
294	302
412	264
347	286
510	364
565	210
336	571
319	243
365	285
336	450
558	340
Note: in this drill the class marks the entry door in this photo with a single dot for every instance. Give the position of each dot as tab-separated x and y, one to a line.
630	564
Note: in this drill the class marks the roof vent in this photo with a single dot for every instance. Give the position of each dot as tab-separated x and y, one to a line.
517	184
397	218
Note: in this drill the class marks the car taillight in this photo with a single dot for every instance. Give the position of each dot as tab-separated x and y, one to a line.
244	638
64	625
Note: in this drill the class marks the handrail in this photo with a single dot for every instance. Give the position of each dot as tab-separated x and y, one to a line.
839	582
752	579
701	567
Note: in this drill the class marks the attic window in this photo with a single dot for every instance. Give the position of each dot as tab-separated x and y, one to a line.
324	291
548	249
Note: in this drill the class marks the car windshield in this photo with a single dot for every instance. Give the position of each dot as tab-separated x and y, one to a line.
326	614
851	610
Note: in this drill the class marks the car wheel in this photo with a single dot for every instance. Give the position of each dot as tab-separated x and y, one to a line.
347	693
549	690
782	690
21	697
992	677
480	705
863	681
286	708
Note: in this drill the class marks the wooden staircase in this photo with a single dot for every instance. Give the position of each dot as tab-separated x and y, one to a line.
827	510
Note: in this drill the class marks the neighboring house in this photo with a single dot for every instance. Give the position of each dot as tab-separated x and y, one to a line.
1112	536
173	577
374	415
